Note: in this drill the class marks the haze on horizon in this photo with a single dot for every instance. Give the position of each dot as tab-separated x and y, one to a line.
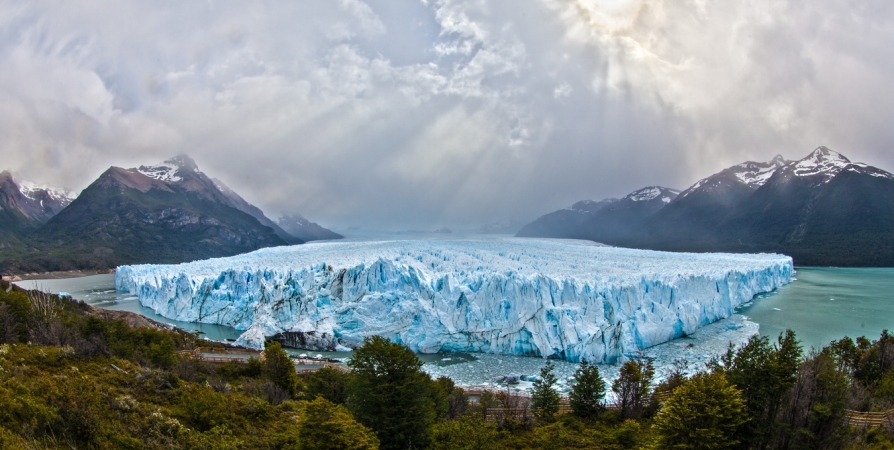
425	113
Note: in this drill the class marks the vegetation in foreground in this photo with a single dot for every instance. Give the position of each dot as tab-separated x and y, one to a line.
70	377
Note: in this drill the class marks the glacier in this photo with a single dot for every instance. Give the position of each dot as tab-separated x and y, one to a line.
540	297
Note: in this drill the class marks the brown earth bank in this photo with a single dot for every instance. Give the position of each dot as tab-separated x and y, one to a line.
55	275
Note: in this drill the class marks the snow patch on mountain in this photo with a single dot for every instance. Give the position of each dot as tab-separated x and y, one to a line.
651	193
751	173
32	190
590	206
869	170
165	172
551	298
823	162
756	174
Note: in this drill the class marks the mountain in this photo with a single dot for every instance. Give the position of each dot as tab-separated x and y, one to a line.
617	221
304	229
564	223
239	203
821	210
695	214
25	206
165	213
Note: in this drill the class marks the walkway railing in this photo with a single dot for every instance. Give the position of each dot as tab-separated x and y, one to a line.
869	419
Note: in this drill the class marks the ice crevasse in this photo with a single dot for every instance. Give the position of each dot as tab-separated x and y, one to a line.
540	297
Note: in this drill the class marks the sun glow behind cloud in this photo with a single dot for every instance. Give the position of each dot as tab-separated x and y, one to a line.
440	112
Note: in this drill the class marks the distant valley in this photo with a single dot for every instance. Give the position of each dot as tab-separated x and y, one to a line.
823	210
165	213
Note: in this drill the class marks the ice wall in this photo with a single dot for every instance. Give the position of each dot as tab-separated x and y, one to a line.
559	298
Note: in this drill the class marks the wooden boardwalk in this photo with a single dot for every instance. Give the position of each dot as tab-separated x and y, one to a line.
869	419
521	410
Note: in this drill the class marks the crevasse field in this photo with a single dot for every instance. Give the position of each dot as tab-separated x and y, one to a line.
550	298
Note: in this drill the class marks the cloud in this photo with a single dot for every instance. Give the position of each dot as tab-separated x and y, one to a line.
440	112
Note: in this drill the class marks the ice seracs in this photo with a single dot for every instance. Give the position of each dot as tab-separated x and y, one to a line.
552	298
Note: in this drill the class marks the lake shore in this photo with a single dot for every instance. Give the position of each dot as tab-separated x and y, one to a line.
55	275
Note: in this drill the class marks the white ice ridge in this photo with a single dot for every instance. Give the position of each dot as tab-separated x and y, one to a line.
539	297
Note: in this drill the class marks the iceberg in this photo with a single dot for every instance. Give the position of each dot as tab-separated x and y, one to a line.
540	297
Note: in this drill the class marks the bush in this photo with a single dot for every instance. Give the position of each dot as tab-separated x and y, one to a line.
703	413
326	426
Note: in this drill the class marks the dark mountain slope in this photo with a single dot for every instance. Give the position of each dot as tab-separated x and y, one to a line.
127	217
24	207
622	221
564	223
694	216
241	204
303	229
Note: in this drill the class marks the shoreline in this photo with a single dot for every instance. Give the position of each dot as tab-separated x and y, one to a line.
58	275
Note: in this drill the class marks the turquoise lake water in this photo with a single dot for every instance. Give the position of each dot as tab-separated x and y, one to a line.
825	304
822	304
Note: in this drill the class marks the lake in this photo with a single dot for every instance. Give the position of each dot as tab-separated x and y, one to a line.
821	305
825	304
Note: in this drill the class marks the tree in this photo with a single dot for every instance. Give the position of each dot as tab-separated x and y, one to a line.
279	369
587	397
465	433
326	426
705	412
328	383
632	387
544	398
389	393
815	406
763	373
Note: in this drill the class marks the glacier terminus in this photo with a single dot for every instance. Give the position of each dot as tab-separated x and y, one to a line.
540	297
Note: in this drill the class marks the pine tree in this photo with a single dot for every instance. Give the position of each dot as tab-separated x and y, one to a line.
587	397
545	399
705	412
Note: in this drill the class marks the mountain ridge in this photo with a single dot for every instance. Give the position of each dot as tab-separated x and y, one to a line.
822	209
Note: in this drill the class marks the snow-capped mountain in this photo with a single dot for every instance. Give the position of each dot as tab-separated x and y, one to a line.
47	196
601	221
168	212
749	174
695	214
664	195
822	209
25	206
822	163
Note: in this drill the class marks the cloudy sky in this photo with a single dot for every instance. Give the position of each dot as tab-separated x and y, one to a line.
423	113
